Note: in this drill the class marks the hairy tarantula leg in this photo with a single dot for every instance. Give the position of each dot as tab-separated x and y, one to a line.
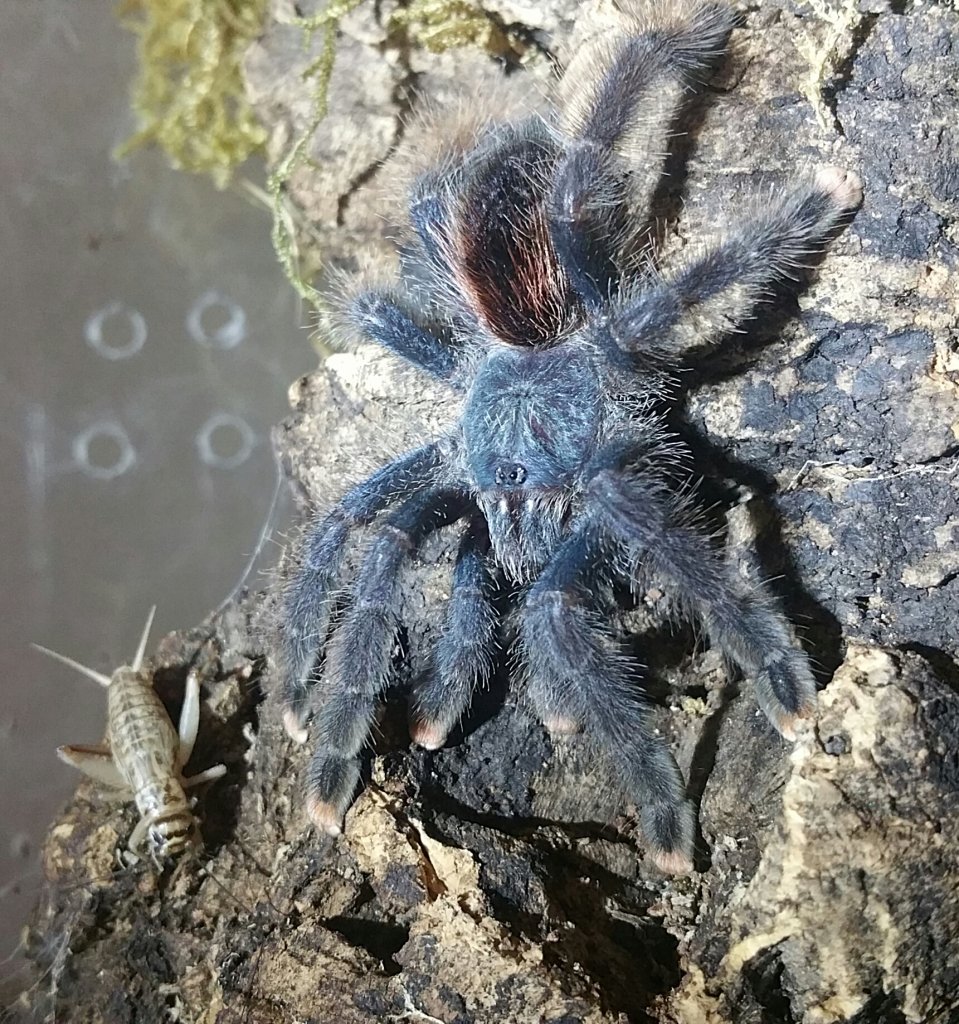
431	214
703	298
553	704
620	95
382	320
563	642
462	658
358	660
308	598
742	620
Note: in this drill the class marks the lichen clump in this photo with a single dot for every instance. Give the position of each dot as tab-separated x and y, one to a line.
189	94
441	25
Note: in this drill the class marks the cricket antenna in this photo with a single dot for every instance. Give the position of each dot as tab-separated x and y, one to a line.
88	672
141	650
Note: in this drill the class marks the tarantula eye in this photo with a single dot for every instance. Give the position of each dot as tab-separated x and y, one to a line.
510	475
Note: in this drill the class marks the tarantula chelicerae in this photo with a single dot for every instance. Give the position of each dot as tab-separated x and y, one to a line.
527	288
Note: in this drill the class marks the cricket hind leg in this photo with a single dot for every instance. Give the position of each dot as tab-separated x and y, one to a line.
96	762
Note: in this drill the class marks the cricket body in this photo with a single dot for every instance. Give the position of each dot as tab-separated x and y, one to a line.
143	755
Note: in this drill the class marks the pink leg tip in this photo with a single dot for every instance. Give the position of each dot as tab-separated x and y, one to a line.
294	729
429	735
672	862
561	725
324	816
844	186
792	726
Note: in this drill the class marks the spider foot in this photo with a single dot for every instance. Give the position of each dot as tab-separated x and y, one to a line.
845	187
787	693
672	862
295	726
559	725
431	735
791	725
330	786
325	816
669	830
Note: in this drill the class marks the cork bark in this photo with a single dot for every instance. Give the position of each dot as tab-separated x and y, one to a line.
493	881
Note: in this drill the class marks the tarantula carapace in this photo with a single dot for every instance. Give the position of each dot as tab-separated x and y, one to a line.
529	288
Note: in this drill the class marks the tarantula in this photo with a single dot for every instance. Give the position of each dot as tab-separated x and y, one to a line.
523	290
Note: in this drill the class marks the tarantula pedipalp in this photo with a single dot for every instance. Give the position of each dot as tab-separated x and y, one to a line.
521	292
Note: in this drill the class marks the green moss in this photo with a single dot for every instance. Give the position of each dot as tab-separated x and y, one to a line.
441	25
317	75
189	94
190	99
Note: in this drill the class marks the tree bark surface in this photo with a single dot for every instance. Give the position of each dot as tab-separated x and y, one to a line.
497	880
